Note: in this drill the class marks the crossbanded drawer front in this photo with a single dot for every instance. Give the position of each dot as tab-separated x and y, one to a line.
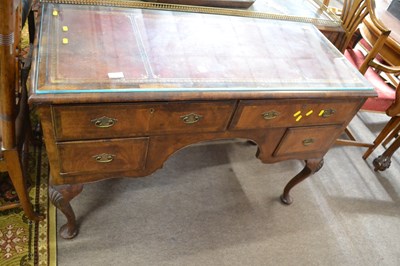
126	120
285	113
102	156
99	121
316	139
191	117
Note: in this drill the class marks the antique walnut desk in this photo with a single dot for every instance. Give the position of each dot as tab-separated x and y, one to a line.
120	90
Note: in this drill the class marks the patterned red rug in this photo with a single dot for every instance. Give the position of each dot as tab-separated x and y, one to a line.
23	242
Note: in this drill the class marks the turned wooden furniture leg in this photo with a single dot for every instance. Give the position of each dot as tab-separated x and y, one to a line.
383	161
18	180
60	196
394	134
383	135
312	166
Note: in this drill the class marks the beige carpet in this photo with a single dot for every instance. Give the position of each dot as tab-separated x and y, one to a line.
216	204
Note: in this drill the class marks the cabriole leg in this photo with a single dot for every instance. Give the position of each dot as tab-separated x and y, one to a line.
312	166
61	196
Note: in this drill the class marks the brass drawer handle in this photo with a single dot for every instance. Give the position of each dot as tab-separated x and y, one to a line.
104	122
270	115
308	142
328	112
104	158
191	118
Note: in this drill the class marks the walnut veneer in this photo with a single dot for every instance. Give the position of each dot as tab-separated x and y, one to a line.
130	87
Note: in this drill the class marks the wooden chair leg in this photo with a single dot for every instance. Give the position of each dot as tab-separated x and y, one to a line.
393	122
17	178
382	162
393	134
31	26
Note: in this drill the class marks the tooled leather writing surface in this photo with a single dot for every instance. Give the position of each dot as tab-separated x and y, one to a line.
154	49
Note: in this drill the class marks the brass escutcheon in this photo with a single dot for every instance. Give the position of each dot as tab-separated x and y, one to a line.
191	118
308	142
104	122
270	115
328	112
104	158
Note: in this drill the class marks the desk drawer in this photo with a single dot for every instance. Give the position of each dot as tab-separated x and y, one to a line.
103	155
126	120
316	139
286	113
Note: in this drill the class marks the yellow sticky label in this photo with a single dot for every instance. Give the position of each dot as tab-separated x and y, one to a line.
321	112
297	113
55	13
298	118
309	112
65	40
65	28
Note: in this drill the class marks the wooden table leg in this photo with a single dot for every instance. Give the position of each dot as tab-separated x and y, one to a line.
312	166
17	177
61	196
383	161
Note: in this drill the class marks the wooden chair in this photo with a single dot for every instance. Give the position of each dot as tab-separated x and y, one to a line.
391	129
13	105
353	13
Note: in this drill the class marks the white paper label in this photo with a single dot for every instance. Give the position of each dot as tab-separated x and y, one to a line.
116	75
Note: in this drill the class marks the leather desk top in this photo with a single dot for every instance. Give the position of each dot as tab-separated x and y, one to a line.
86	49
